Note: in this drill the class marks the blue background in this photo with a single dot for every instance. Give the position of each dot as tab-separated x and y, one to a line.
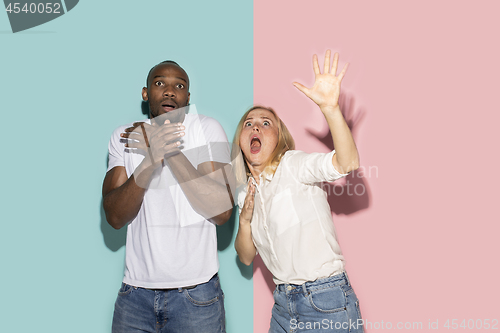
64	87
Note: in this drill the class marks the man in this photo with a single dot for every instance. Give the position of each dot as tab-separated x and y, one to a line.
166	181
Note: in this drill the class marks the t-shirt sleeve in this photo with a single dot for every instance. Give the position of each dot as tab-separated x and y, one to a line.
116	149
314	167
242	193
218	146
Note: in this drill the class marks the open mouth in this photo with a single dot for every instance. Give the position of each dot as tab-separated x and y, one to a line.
255	145
169	106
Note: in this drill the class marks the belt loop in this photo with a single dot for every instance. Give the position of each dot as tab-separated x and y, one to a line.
347	278
304	288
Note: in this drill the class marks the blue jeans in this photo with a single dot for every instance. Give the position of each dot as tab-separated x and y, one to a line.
182	310
324	305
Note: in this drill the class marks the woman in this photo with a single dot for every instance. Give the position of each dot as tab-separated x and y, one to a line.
285	216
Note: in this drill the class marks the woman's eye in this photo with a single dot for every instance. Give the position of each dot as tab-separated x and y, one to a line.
266	123
248	124
180	86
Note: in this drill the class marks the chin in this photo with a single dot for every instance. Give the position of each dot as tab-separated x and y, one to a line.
174	116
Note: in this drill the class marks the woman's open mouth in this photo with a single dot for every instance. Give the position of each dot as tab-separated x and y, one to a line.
255	145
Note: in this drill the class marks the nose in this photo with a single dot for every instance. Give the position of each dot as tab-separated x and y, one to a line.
169	91
256	128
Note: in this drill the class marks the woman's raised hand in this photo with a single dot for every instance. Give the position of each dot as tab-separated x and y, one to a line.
326	89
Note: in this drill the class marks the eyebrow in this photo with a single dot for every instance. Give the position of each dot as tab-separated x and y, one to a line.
180	78
263	117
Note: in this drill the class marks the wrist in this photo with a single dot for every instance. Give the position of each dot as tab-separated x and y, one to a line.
173	156
244	221
330	109
144	172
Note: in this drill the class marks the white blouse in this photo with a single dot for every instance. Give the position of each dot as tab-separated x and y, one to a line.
292	225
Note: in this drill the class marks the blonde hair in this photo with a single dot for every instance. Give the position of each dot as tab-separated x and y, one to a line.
285	143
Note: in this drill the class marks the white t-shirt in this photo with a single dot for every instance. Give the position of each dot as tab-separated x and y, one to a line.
169	245
292	225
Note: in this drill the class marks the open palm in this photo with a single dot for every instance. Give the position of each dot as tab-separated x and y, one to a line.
326	89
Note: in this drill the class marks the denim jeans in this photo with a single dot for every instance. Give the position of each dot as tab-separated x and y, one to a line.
324	305
182	310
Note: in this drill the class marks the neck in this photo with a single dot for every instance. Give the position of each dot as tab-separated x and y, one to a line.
256	171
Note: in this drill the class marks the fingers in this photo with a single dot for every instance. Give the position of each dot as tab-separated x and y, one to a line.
250	194
302	88
169	133
133	130
136	145
335	64
247	211
137	128
316	65
139	123
341	75
163	142
144	135
326	66
133	136
133	144
171	149
248	205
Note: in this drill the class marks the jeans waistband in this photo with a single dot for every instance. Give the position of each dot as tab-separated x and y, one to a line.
322	283
179	288
188	287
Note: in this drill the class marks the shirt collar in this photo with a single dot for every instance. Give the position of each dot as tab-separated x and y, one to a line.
267	176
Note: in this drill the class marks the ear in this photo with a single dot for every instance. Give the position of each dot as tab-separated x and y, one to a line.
189	96
145	94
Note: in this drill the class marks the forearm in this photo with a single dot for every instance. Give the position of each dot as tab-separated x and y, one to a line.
122	204
208	194
345	148
244	244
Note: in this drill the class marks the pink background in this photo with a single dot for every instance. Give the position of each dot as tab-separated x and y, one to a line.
422	91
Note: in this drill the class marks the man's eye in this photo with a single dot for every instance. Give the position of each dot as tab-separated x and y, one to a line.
266	123
158	83
180	86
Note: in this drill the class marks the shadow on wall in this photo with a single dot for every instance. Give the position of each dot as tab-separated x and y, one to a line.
350	194
145	108
225	235
113	239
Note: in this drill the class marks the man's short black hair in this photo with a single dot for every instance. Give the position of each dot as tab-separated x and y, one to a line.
163	62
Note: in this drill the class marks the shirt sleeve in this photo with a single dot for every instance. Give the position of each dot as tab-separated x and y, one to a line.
116	149
218	146
314	167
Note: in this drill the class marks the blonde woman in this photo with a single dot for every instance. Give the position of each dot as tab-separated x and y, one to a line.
285	216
